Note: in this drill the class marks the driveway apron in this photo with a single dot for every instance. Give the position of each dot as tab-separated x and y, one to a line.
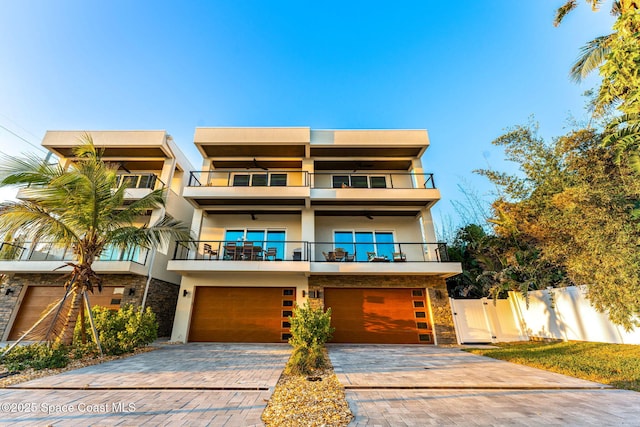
412	385
195	384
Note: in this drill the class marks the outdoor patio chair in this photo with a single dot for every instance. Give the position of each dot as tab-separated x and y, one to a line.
230	249
271	252
349	257
399	257
247	250
331	256
207	250
340	254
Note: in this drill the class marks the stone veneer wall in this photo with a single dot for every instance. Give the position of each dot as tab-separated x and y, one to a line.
162	296
436	288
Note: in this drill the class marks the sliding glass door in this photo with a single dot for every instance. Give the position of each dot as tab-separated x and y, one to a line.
361	243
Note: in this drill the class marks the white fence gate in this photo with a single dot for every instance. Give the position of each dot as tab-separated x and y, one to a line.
566	315
481	321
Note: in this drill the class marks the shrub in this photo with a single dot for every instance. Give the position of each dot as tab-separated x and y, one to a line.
310	330
124	330
37	356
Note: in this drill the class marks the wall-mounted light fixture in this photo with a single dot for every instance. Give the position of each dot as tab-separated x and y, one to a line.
185	292
132	291
253	217
9	291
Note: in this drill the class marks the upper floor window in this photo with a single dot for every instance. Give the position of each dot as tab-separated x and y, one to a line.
259	179
359	181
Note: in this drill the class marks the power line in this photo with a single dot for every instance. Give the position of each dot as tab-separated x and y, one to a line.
18	136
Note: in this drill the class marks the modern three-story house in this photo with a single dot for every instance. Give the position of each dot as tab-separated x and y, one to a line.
146	160
338	218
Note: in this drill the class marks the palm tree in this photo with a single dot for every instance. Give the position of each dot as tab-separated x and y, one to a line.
78	208
594	53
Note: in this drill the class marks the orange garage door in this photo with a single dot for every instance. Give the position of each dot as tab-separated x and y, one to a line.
389	316
38	298
241	314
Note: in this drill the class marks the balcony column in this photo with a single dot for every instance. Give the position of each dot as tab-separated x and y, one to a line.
308	228
166	175
196	228
428	232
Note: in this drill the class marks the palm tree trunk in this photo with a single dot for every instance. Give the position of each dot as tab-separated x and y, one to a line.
66	335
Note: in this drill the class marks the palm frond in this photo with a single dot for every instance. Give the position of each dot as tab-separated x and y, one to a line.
592	56
162	233
29	170
35	223
563	11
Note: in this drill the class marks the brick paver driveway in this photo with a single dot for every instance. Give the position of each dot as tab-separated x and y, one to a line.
410	385
193	384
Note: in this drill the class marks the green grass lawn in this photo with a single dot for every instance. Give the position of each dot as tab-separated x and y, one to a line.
614	364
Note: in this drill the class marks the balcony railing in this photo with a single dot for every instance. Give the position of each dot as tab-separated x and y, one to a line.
139	180
372	180
11	251
378	252
245	178
220	250
44	251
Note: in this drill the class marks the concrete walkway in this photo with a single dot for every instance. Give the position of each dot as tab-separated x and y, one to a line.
404	385
191	385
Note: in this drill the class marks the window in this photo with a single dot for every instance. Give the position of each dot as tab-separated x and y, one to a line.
361	242
340	181
278	179
147	181
259	180
378	182
264	238
241	180
359	181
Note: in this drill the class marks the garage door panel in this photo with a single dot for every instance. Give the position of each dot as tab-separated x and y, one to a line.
228	314
394	316
38	298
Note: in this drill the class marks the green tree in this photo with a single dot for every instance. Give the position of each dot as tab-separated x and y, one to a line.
81	208
617	56
577	211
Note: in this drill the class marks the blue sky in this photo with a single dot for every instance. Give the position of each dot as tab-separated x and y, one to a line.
463	70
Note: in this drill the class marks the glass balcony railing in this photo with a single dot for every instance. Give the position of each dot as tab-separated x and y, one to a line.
244	178
43	251
378	252
139	180
219	250
372	180
284	178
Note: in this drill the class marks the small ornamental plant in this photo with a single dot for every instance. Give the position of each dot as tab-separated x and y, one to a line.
310	330
122	331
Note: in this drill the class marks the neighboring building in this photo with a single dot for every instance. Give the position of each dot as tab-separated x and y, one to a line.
340	218
148	160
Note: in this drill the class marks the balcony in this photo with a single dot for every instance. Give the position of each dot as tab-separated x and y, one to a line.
373	189
314	258
381	258
248	188
44	257
138	185
219	255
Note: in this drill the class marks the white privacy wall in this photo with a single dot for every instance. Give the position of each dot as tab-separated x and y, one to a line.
570	317
561	313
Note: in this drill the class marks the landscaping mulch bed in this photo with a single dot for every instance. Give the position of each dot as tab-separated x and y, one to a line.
308	400
32	374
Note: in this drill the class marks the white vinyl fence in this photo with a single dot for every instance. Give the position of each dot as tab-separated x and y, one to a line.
570	317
